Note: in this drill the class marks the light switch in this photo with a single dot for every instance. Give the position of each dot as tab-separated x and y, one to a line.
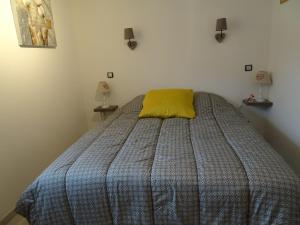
248	68
110	75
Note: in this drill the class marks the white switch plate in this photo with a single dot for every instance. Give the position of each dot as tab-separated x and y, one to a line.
110	75
248	68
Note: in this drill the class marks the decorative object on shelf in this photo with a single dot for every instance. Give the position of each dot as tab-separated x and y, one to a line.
105	91
128	35
102	110
283	1
221	25
34	23
263	78
251	99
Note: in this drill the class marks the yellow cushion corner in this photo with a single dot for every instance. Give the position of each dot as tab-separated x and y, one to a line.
167	103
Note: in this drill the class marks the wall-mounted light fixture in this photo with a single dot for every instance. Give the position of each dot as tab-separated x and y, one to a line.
221	25
128	35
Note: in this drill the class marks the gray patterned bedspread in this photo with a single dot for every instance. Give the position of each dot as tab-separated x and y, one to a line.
213	170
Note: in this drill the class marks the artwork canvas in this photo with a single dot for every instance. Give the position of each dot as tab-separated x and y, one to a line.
34	23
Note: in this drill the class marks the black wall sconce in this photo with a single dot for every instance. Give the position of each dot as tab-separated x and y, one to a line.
128	35
221	25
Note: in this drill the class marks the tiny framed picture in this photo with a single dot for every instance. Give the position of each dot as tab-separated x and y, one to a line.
34	23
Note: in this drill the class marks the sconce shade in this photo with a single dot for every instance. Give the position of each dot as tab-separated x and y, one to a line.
128	34
104	87
221	24
263	77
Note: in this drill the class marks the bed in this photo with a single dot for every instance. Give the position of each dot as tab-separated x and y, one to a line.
213	170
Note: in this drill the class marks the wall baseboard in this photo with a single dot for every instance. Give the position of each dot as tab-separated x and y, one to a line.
8	218
13	218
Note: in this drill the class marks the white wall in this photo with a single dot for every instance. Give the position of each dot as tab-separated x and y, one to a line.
284	63
40	103
176	46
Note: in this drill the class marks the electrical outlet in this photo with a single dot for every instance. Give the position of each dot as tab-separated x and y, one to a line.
110	75
248	68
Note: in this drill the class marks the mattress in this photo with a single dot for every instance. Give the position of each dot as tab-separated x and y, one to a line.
213	170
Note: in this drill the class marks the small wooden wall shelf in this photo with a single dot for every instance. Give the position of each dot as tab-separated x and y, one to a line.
265	104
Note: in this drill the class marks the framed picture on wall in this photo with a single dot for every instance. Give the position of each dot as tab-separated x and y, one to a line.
34	23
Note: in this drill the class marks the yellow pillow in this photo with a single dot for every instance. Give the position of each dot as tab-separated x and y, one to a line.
168	103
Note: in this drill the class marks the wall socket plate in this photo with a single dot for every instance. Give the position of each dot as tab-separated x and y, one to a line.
249	68
110	75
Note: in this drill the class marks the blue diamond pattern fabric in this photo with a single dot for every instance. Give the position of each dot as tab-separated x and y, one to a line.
214	169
